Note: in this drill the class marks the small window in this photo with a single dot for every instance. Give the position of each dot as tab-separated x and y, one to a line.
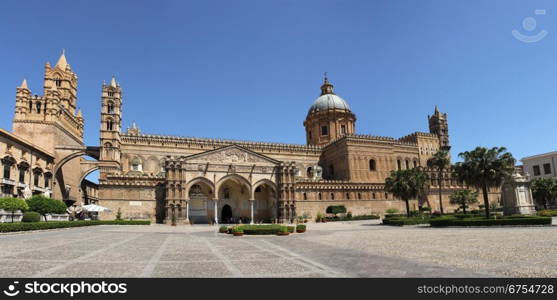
386	195
343	129
332	196
319	196
398	164
47	181
407	164
372	195
536	170
359	196
110	94
310	172
22	175
547	168
372	165
58	82
305	196
7	169
109	125
36	179
324	130
110	108
38	105
347	196
415	164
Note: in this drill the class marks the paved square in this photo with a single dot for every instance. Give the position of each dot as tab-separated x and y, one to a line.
341	249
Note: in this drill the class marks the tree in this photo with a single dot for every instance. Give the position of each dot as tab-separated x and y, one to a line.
544	190
406	185
12	205
336	209
44	205
484	168
441	162
463	198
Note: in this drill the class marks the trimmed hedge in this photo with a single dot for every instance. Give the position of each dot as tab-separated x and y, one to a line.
547	213
502	221
354	218
31	216
262	229
11	227
401	221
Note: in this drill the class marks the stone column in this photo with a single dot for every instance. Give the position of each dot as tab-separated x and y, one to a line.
168	214
216	213
187	212
251	201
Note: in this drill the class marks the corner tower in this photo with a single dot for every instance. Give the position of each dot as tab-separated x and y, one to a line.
439	126
111	120
329	117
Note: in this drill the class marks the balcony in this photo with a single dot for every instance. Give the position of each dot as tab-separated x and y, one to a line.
8	181
21	185
39	189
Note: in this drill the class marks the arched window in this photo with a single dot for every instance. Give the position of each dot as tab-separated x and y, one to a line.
372	195
38	105
386	195
136	164
310	172
324	130
305	196
407	164
109	124
332	196
30	106
110	94
398	164
372	165
58	82
108	151
415	164
258	189
347	196
359	196
319	196
110	108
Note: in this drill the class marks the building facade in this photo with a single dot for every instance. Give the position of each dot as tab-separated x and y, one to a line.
159	177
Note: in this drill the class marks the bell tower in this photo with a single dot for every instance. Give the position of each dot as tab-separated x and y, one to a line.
111	120
439	126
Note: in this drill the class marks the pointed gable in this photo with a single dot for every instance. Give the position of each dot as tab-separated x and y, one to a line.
232	154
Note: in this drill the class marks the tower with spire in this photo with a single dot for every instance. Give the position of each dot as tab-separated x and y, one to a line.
438	125
52	116
111	120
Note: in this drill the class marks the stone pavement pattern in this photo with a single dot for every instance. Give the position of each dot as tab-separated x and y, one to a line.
347	249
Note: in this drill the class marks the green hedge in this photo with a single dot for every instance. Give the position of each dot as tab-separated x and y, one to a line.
262	229
11	227
400	221
547	213
31	216
354	218
501	221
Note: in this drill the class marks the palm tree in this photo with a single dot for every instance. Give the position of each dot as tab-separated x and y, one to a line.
484	168
463	198
544	190
440	161
406	185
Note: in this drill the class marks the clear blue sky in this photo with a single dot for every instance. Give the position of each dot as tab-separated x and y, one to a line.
250	69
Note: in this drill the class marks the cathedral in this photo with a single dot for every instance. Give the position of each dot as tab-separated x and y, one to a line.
200	180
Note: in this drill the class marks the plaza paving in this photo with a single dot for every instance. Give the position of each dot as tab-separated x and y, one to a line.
347	249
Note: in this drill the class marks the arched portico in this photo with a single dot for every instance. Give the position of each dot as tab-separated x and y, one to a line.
234	191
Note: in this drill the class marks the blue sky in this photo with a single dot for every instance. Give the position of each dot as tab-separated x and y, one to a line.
249	70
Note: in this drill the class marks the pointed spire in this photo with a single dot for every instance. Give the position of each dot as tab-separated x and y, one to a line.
327	87
62	62
436	110
24	84
113	81
79	114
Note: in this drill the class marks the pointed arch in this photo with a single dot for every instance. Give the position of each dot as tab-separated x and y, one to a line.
262	182
196	181
241	179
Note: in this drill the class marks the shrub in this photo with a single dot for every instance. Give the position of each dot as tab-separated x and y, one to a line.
223	229
11	227
498	221
336	209
291	228
300	227
284	229
400	221
355	218
425	209
44	205
318	217
547	213
349	215
260	229
237	229
391	211
31	216
13	204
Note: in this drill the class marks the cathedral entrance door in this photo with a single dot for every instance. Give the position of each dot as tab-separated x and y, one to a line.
199	203
226	214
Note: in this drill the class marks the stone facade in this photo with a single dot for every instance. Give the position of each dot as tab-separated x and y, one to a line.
166	178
